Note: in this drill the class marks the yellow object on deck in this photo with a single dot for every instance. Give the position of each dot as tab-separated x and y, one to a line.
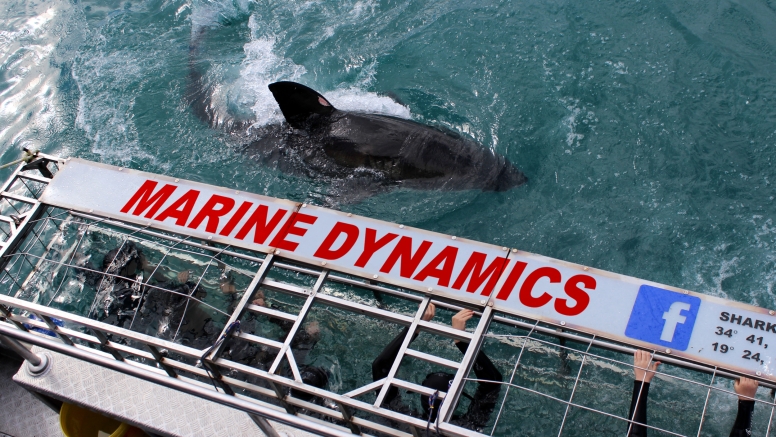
80	422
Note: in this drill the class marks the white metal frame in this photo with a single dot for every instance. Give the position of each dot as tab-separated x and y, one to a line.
174	365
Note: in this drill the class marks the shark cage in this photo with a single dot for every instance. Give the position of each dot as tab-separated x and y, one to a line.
287	337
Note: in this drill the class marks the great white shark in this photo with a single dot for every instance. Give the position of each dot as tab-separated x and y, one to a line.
402	151
359	154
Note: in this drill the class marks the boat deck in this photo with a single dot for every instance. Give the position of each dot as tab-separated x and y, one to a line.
157	410
22	414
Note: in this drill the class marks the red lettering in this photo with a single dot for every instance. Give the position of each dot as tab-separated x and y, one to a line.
526	298
238	215
371	246
181	209
351	235
512	279
280	241
409	262
145	198
473	268
446	258
573	291
258	223
211	213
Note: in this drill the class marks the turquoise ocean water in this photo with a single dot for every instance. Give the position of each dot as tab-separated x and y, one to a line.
646	128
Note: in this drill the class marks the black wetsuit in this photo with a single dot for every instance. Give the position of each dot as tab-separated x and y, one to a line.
482	403
743	425
263	356
638	409
741	428
121	302
163	313
120	289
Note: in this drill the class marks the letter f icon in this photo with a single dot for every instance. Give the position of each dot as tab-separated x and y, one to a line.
673	317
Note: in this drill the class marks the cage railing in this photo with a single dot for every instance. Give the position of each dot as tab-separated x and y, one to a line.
29	248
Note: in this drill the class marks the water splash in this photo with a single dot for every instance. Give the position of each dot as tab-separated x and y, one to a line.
28	81
265	64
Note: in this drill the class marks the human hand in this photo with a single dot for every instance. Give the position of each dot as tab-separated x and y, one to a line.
183	277
429	314
746	388
643	359
460	319
258	299
145	265
228	288
313	329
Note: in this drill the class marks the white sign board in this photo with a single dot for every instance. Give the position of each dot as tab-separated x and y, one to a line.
714	331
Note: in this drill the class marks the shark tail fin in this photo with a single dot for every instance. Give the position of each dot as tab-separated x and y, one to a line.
300	104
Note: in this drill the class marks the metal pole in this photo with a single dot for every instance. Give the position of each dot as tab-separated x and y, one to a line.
36	365
264	425
454	392
17	347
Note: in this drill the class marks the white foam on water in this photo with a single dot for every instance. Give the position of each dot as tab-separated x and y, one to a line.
260	68
28	104
107	120
354	98
357	100
211	13
264	65
570	122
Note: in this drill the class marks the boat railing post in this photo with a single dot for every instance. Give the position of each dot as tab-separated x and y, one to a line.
264	425
37	365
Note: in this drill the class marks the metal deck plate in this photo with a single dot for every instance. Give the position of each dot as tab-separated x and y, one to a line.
148	406
22	415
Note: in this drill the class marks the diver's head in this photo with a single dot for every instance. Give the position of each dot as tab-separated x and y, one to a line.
436	381
314	376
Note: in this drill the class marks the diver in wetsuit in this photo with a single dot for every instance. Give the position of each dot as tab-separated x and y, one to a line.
119	290
745	389
126	291
644	369
261	357
485	397
167	305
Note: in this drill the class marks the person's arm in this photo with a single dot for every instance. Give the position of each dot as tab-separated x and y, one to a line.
746	389
638	409
381	366
483	367
485	397
644	370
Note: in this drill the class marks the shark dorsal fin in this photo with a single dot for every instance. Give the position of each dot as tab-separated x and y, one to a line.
299	103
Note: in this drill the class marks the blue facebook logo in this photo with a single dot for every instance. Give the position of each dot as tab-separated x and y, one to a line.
663	317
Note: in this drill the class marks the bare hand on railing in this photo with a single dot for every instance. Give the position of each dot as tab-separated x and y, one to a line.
460	319
430	311
745	388
643	359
